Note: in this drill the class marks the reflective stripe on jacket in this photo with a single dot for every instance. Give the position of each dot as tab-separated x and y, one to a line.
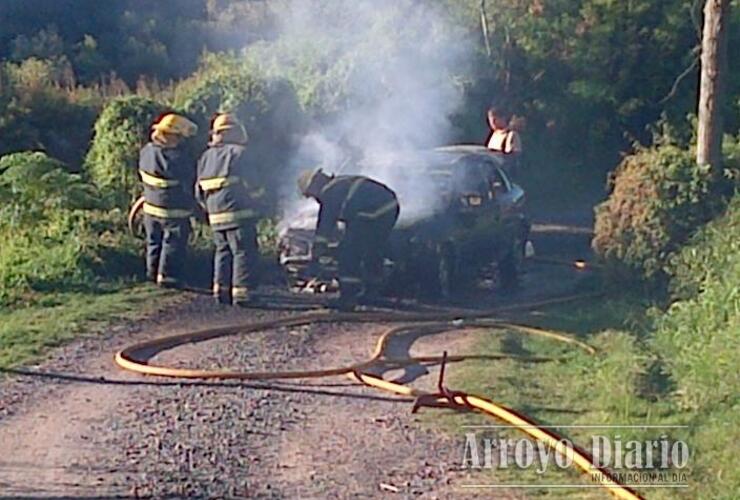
165	213
168	176
351	197
227	186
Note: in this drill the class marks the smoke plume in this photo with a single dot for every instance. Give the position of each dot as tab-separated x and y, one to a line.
383	73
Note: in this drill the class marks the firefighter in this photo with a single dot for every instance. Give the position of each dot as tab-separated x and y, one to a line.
369	211
167	171
231	195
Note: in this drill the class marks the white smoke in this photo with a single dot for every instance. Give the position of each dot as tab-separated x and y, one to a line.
386	72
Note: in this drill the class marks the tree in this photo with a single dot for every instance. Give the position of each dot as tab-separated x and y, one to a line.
711	87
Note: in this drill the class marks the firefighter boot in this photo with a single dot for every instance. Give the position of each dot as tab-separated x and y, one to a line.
241	297
343	303
221	294
349	292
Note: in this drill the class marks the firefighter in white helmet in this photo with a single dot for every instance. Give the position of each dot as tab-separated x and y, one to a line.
369	211
167	171
232	195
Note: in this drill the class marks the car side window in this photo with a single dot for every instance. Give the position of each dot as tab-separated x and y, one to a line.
499	183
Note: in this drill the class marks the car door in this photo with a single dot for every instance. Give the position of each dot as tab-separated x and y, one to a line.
506	198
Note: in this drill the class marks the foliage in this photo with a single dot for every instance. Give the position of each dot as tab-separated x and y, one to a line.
659	198
37	186
698	335
120	132
54	234
698	339
268	109
319	75
46	257
555	63
96	38
40	112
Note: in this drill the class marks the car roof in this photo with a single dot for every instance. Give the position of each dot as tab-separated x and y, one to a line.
470	150
441	157
464	148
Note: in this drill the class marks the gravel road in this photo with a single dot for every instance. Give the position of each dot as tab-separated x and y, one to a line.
92	430
76	426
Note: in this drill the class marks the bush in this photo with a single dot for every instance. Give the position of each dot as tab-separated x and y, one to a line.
120	132
54	235
698	334
49	255
660	197
43	111
698	339
268	108
36	186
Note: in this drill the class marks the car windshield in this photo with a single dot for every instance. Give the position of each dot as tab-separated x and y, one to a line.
429	182
459	174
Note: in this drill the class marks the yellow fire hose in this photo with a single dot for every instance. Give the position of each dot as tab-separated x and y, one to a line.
135	358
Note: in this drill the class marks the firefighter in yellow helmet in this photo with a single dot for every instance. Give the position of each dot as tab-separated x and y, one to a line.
167	171
229	190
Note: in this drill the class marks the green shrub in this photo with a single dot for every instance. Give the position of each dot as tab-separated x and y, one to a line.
120	132
659	198
222	83
48	255
40	111
268	108
698	340
709	257
37	185
315	68
698	334
55	236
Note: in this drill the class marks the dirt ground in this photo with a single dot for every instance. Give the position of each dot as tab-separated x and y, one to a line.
77	426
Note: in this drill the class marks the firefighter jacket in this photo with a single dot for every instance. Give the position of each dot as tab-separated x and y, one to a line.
351	198
227	187
168	175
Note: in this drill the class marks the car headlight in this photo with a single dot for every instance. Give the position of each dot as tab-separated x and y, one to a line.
473	200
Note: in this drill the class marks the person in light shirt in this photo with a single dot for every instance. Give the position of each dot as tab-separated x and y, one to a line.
502	137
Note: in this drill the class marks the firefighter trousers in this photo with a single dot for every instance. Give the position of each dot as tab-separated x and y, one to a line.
234	260
360	254
166	249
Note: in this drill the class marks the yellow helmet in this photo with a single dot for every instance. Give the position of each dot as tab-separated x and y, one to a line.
225	121
172	123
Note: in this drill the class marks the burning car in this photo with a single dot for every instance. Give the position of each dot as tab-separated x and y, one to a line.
460	213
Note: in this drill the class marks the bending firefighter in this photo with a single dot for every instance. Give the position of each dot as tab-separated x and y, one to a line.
228	190
369	211
168	173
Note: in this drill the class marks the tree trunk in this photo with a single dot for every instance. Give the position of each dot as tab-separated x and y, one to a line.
484	26
713	69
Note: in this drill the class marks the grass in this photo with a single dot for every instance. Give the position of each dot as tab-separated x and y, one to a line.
28	332
620	385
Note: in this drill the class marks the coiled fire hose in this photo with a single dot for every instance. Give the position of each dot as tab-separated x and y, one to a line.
135	358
